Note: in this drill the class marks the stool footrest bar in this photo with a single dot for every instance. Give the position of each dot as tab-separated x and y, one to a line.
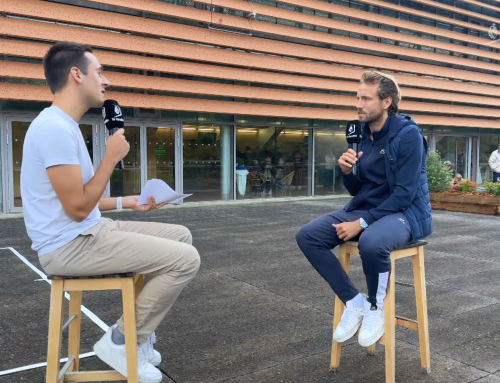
70	319
94	376
66	367
408	323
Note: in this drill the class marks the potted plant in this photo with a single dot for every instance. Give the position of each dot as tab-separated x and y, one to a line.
465	197
438	177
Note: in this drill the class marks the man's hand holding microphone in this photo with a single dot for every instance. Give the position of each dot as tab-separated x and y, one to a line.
117	148
348	159
347	163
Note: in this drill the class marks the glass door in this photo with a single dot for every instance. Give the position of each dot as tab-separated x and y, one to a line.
457	151
162	144
16	132
207	162
277	162
128	181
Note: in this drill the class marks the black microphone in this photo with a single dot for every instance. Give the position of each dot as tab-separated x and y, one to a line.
353	135
113	119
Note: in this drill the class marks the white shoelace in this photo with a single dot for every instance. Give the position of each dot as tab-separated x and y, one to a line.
370	320
148	346
142	359
349	314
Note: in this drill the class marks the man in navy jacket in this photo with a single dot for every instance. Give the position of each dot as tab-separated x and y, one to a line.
390	208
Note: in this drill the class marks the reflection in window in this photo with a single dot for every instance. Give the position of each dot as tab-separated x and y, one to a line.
276	160
455	150
328	148
161	154
19	130
487	145
208	164
127	181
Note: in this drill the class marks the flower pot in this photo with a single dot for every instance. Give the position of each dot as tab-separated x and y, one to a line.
466	202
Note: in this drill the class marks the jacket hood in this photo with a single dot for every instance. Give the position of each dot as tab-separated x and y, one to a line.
398	122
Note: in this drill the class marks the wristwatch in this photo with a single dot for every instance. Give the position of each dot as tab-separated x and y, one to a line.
119	203
363	223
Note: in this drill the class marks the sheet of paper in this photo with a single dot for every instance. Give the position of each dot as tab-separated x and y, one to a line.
161	193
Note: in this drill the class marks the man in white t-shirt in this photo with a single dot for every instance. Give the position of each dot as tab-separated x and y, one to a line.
62	204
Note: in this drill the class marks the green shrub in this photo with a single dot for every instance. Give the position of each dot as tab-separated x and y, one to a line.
438	176
492	187
467	186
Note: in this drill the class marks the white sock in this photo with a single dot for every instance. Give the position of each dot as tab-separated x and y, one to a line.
358	302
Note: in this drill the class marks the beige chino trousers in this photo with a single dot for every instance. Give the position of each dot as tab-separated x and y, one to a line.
162	252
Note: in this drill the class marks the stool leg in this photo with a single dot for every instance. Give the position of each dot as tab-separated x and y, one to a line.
371	349
55	330
128	298
344	259
75	308
390	327
139	283
421	300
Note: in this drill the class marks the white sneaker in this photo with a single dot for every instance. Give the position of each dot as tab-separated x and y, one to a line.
373	326
349	324
152	356
116	356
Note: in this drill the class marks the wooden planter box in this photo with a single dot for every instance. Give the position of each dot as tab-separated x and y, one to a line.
466	203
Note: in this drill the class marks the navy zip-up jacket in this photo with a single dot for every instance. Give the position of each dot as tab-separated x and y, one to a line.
406	171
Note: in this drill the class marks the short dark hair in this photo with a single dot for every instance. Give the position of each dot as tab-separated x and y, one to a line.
59	60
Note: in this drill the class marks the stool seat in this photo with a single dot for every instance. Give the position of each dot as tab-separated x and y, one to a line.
414	250
407	246
119	275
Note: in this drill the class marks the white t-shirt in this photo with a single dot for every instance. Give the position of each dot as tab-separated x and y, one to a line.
53	138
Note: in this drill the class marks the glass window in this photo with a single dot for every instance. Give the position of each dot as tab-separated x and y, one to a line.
444	12
127	181
88	137
19	129
208	164
328	147
487	145
444	25
276	160
455	150
161	154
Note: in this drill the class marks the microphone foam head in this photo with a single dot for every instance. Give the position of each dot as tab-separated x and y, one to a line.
353	132
112	114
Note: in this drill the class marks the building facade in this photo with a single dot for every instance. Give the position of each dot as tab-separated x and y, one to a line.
234	99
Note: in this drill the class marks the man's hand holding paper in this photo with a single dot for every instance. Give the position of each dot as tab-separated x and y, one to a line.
160	192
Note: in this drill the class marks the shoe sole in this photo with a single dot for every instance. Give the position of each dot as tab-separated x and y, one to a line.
106	358
348	336
371	340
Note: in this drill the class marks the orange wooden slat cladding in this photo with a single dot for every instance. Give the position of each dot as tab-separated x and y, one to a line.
24	92
238	22
60	12
124	80
54	32
37	30
121	60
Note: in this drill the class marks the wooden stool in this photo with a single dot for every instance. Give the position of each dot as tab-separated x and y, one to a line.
129	284
416	251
